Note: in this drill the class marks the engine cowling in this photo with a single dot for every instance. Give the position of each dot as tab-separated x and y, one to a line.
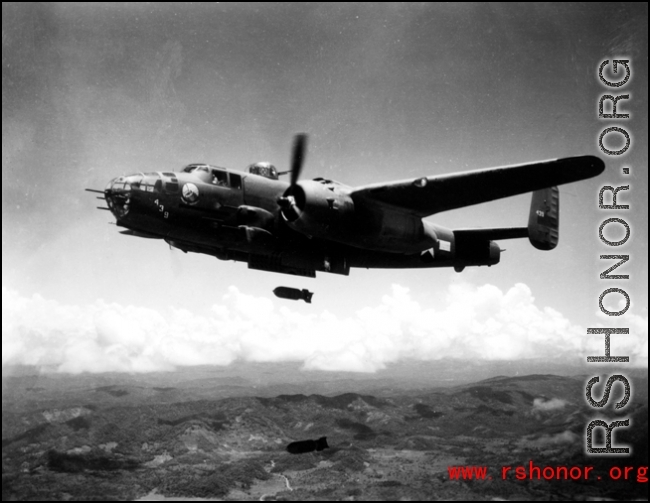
317	208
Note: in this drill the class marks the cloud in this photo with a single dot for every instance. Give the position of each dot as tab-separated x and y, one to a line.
478	323
541	405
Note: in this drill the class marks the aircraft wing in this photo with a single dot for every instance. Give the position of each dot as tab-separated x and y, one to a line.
428	195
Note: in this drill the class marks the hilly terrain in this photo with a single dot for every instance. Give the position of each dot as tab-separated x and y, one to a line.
130	438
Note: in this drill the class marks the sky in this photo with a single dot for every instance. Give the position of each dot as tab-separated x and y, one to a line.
385	92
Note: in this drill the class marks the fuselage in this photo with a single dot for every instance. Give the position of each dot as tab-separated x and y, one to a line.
235	215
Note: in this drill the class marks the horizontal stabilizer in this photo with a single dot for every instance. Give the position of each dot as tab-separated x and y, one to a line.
544	219
492	234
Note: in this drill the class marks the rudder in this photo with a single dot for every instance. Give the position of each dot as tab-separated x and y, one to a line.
544	219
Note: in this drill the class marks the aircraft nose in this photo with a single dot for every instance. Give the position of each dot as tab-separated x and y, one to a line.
118	196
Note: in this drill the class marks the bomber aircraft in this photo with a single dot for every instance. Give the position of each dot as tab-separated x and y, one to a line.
300	227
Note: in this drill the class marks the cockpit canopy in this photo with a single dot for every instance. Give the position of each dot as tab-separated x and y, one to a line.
215	175
265	169
200	167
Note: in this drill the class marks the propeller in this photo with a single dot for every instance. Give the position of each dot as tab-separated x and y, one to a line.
298	156
287	202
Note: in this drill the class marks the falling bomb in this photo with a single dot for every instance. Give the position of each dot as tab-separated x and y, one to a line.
284	292
304	446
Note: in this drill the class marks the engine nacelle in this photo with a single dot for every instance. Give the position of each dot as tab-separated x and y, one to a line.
318	209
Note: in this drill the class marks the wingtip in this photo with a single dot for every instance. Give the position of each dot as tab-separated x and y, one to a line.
582	167
597	165
593	166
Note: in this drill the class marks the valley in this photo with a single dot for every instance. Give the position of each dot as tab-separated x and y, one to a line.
144	438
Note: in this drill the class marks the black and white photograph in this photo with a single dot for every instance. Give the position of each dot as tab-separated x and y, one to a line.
324	251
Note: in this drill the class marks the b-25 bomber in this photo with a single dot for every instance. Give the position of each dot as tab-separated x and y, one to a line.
300	227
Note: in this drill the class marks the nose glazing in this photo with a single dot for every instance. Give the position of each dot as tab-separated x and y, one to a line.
118	196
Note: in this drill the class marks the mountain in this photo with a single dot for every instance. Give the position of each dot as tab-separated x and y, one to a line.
125	437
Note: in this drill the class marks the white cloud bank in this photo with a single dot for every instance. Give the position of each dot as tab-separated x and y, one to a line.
479	323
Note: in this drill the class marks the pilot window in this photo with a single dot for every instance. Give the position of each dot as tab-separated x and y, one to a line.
219	177
235	181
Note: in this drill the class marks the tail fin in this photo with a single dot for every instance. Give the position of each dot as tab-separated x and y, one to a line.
307	295
544	219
